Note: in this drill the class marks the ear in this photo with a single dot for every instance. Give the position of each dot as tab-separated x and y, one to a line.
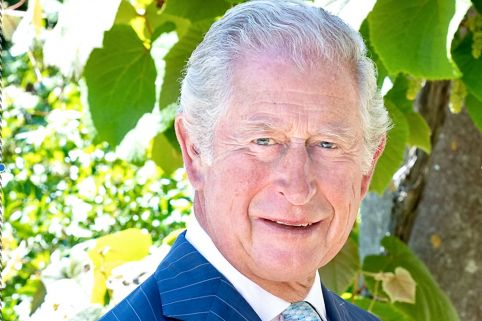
368	176
190	154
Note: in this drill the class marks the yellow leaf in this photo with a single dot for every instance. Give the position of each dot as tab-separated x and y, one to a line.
113	250
400	286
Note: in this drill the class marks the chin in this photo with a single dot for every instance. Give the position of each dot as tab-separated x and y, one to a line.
285	268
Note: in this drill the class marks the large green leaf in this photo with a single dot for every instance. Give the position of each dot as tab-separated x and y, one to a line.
120	78
418	129
176	60
392	157
411	36
430	302
381	70
340	272
196	10
398	94
385	311
471	67
474	108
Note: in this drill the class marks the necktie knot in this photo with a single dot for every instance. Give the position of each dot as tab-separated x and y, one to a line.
300	311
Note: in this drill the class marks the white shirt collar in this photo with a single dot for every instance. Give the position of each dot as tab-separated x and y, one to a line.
266	305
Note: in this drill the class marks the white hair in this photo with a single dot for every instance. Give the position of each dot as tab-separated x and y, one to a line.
300	33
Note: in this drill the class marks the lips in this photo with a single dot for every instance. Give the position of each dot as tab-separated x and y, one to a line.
289	225
295	225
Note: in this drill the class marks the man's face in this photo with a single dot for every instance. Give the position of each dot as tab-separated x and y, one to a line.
282	192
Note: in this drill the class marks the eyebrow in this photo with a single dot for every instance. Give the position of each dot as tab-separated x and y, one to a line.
268	122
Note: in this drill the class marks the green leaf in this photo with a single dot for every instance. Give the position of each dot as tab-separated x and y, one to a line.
471	67
399	286
196	10
419	131
125	13
113	250
385	311
120	78
176	60
478	5
340	272
474	108
430	301
398	94
411	36
165	155
392	157
381	70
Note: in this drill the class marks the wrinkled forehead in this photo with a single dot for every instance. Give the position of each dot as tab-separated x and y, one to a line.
268	89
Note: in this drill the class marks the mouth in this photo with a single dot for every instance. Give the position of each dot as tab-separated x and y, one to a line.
291	226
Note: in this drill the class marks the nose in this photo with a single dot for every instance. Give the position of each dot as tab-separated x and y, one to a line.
296	181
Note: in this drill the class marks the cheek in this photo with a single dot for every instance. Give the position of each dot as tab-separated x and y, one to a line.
233	181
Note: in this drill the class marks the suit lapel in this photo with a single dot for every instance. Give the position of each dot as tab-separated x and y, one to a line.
335	309
191	288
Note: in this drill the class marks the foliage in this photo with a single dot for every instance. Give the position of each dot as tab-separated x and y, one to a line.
88	123
62	189
400	286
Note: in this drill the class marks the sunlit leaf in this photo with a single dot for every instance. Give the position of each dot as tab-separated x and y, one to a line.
10	19
381	70
113	250
176	60
419	131
411	36
165	155
471	67
400	286
340	272
196	10
125	13
430	301
120	79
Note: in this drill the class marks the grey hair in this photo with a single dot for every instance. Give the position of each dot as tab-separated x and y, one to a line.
300	33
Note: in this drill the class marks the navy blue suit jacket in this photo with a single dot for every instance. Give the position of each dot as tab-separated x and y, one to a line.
186	286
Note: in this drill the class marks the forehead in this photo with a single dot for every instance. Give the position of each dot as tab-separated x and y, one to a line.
268	88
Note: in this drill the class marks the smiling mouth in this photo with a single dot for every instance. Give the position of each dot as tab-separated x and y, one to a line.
293	225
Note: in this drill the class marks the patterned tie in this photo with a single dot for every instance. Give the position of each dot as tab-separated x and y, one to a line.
300	311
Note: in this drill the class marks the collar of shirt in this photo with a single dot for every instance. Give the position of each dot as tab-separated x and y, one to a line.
266	305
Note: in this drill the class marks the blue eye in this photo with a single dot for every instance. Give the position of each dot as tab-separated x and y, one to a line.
327	145
263	141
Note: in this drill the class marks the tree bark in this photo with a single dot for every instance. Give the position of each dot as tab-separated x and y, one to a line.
432	104
448	217
437	206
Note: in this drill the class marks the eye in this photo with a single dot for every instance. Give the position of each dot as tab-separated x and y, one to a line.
327	145
263	141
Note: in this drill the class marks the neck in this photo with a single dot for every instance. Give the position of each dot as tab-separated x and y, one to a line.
288	291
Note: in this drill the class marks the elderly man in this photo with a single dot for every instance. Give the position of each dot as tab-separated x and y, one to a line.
280	127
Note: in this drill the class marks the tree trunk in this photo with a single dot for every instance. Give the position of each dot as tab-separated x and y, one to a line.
446	233
437	206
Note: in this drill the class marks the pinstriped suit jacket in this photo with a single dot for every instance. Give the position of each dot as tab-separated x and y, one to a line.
187	287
